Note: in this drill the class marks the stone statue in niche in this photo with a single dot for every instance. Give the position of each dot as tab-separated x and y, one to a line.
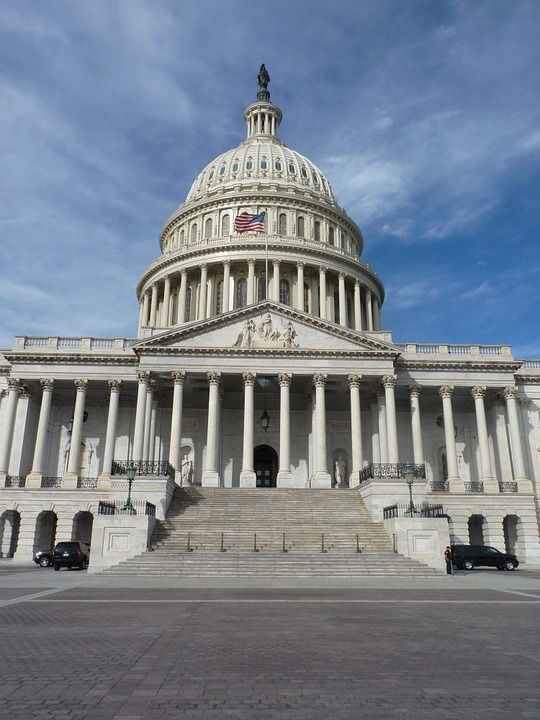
187	471
340	470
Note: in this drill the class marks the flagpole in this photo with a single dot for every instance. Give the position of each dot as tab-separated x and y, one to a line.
266	298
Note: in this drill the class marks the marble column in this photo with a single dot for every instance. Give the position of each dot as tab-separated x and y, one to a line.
247	476
321	477
455	482
110	436
516	446
284	477
10	411
251	282
356	429
322	292
34	479
148	420
226	285
369	310
70	478
210	476
357	307
389	382
342	300
375	432
181	309
165	314
300	286
175	444
143	378
275	279
203	291
383	426
416	425
145	310
27	541
153	305
486	472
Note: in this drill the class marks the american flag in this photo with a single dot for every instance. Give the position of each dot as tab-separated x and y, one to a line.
246	222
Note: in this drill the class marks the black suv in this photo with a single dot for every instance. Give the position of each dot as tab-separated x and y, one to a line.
467	557
72	553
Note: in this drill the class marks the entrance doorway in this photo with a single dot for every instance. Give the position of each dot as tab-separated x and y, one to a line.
265	462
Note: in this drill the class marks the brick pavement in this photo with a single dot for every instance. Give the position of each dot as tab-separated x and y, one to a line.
106	652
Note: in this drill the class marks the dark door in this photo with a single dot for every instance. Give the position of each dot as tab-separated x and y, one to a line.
265	464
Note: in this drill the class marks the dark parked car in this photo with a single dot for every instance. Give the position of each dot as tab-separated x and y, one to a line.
72	553
43	558
467	557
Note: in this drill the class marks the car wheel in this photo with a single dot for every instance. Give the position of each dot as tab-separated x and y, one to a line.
44	562
56	566
468	565
509	565
81	565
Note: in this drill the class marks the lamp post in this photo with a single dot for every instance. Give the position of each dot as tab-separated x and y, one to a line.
130	472
408	474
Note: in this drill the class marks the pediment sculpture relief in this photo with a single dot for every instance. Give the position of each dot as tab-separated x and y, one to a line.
266	334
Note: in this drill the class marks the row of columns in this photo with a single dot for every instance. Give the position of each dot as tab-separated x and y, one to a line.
385	439
156	308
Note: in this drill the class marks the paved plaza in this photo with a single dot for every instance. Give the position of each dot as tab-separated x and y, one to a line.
78	646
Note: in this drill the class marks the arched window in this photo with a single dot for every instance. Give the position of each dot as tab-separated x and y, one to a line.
282	224
306	297
261	289
442	464
187	315
226	225
208	229
301	226
330	235
219	297
182	237
317	231
194	233
284	297
241	293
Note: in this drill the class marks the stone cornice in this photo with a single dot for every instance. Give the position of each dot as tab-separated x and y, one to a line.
465	365
69	359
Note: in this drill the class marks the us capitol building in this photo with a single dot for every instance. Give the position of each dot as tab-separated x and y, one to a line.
261	362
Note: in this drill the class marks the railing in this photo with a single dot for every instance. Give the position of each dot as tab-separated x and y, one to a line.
440	486
87	482
51	482
425	510
16	481
260	542
144	467
59	343
508	487
436	349
475	486
115	507
390	471
532	364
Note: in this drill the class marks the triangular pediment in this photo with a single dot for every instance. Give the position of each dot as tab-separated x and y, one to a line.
266	326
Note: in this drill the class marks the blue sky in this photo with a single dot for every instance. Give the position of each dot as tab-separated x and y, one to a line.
423	114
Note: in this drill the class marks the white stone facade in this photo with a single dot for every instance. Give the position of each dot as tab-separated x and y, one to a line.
285	326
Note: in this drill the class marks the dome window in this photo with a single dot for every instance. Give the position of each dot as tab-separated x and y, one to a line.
292	169
235	167
211	176
226	225
264	165
208	226
331	236
304	172
222	170
284	294
249	165
301	226
282	224
315	178
278	166
241	293
317	230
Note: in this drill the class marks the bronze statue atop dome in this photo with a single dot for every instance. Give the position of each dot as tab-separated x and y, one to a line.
263	77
